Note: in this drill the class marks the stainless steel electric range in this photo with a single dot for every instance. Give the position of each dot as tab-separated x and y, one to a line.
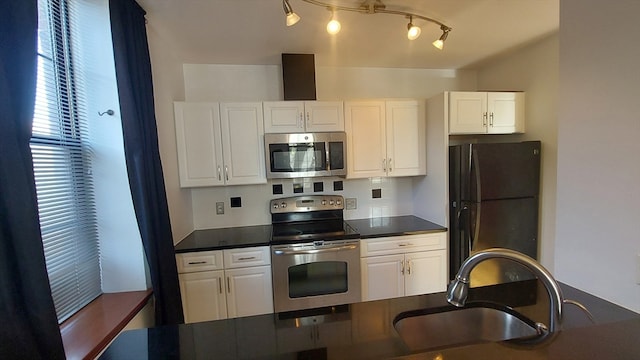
315	254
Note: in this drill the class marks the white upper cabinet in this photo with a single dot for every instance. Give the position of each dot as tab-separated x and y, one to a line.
385	138
303	116
486	112
220	143
406	144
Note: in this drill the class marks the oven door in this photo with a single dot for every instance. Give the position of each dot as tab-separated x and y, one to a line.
316	274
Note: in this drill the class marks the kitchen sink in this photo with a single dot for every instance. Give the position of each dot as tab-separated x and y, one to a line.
475	323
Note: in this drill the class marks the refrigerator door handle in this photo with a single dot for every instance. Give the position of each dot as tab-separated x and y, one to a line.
464	223
475	173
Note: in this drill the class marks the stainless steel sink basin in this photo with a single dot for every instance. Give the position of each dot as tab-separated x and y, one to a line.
475	323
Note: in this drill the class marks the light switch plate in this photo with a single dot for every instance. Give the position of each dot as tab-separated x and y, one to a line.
351	203
219	208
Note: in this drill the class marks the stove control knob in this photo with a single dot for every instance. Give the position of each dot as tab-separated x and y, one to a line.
324	202
330	202
283	205
338	202
275	206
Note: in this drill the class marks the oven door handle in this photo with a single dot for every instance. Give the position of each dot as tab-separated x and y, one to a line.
316	251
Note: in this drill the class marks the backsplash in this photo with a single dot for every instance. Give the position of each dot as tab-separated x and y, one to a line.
395	198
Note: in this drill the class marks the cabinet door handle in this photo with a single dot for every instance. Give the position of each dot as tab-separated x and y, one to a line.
246	258
226	172
219	174
197	262
390	165
384	164
301	121
491	119
220	285
228	285
402	267
484	119
308	117
408	267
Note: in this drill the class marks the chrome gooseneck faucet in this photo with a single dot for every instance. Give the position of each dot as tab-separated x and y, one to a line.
458	289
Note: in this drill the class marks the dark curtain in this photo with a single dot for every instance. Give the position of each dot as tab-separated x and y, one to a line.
28	323
135	89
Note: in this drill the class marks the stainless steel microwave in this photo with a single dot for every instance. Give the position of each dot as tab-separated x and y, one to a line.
305	155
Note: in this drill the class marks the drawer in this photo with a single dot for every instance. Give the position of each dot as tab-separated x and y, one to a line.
403	244
199	261
244	257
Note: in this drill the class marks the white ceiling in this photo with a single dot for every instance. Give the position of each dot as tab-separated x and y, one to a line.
254	31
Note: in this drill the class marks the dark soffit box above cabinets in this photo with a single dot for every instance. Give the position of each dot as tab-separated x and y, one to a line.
299	76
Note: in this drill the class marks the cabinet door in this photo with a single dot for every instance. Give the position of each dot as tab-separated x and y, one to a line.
506	112
366	138
467	112
199	144
425	272
203	297
382	277
249	291
243	143
406	148
324	116
283	116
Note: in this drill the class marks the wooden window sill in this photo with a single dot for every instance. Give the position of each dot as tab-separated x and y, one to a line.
91	329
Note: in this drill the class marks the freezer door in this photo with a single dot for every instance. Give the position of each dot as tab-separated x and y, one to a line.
505	170
510	223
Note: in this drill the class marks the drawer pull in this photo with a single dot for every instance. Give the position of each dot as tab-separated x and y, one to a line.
197	262
246	258
402	245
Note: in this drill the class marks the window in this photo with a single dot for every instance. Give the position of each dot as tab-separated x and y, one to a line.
61	162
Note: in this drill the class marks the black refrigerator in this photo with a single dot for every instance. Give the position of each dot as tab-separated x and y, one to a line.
493	201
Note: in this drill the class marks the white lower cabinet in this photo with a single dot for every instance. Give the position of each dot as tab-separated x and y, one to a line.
249	291
203	298
403	265
213	288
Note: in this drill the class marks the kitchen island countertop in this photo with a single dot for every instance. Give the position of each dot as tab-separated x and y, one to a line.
365	331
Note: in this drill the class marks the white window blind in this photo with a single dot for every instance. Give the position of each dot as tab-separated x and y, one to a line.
61	161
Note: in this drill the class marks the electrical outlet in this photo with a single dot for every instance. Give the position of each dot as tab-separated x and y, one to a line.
219	208
351	203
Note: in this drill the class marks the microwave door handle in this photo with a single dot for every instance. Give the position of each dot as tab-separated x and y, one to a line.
315	251
328	162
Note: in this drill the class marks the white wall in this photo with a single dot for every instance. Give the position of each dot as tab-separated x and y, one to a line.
534	69
598	217
168	86
122	257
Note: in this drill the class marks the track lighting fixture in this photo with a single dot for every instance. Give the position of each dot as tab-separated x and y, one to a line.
412	31
439	44
292	18
369	7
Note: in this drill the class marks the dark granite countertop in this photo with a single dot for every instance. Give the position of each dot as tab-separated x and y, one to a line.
225	238
365	331
393	226
260	235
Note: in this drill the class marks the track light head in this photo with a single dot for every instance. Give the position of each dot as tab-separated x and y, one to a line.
413	32
292	17
333	26
439	44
